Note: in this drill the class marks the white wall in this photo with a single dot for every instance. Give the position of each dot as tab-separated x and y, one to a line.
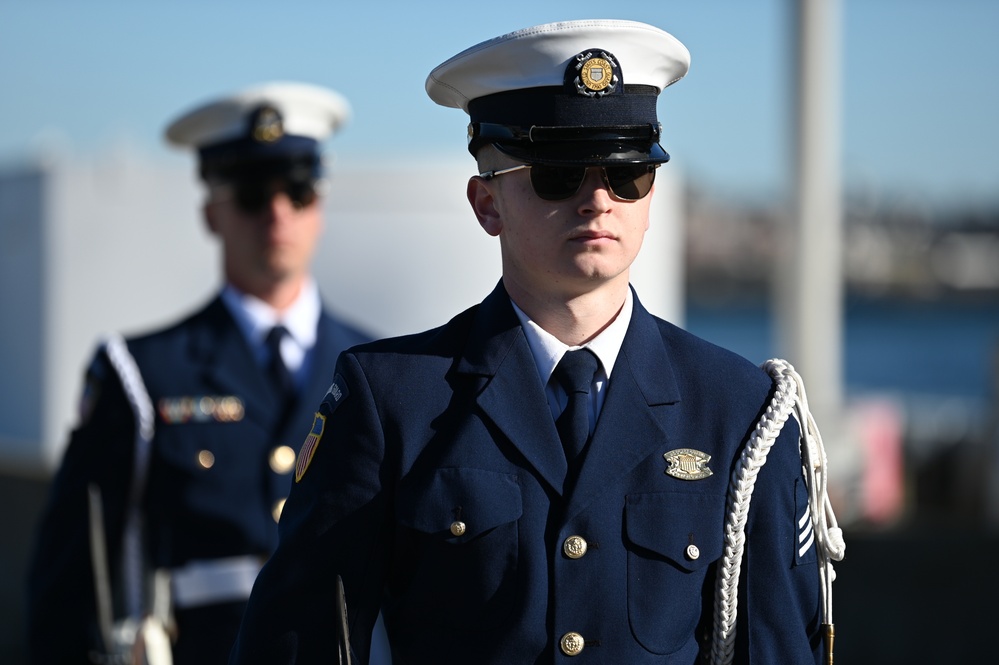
117	244
403	252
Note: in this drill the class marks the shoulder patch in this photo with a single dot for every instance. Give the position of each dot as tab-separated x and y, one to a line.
336	394
310	445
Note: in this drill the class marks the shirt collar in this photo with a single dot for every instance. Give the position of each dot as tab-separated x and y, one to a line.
255	318
547	350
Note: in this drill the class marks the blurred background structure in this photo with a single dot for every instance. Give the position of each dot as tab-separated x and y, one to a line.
99	232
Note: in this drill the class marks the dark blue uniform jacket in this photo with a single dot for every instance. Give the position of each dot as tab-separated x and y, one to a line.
452	425
191	512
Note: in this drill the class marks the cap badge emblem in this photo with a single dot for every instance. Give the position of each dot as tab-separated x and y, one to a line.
688	464
267	125
596	74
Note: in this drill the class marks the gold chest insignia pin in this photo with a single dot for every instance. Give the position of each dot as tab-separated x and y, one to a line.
688	464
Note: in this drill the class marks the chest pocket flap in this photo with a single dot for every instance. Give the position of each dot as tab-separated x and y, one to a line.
460	504
668	523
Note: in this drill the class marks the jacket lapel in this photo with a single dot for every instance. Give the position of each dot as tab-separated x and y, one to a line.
513	397
229	367
632	423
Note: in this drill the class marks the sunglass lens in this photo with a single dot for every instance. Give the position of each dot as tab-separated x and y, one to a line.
631	182
556	183
251	196
302	194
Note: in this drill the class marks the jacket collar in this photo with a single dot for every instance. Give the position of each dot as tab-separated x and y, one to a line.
513	396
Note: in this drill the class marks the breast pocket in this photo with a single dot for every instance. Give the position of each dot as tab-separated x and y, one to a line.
457	546
672	539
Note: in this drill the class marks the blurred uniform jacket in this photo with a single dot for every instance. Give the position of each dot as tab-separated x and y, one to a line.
438	491
214	486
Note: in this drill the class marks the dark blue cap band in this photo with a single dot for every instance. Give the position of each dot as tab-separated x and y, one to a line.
557	125
552	107
284	156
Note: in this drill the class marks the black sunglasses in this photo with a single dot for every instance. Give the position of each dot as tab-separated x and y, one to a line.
252	195
628	182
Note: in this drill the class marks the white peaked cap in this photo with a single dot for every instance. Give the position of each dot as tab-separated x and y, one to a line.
306	110
537	57
575	92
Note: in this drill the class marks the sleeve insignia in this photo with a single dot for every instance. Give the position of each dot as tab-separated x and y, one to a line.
309	447
336	394
806	536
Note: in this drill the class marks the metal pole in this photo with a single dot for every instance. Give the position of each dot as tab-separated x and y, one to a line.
810	290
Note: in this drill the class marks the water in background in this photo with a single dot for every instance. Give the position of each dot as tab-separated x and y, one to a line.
915	349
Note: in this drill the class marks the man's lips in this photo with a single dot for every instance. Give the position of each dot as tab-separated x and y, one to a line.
592	236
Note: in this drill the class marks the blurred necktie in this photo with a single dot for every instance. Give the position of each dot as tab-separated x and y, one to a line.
575	374
277	370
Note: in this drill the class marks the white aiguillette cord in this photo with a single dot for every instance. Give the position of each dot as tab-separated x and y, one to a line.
142	408
789	399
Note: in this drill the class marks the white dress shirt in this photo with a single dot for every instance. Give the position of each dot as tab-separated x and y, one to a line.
548	351
255	318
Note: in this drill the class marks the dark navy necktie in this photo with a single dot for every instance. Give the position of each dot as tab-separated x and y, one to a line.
575	374
277	371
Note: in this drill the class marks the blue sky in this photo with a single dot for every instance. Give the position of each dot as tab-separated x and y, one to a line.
919	108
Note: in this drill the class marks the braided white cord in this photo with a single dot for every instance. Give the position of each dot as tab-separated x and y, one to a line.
789	399
741	486
142	406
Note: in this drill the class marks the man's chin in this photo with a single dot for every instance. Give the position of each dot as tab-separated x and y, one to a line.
277	263
275	272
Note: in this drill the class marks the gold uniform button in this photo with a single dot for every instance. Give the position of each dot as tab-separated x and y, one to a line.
457	528
574	547
572	644
278	509
282	459
206	459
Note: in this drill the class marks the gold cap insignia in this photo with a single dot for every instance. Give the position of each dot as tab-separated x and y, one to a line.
268	126
596	74
688	464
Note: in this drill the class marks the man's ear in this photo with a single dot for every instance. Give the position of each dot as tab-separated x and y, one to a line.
208	214
484	204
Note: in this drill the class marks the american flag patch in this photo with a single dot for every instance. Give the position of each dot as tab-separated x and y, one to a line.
310	445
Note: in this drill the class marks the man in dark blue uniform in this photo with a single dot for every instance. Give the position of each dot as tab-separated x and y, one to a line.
543	479
168	498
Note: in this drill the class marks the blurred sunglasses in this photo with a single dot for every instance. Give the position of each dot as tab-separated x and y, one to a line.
253	196
628	182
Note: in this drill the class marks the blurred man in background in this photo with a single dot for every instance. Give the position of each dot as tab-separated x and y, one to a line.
168	497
